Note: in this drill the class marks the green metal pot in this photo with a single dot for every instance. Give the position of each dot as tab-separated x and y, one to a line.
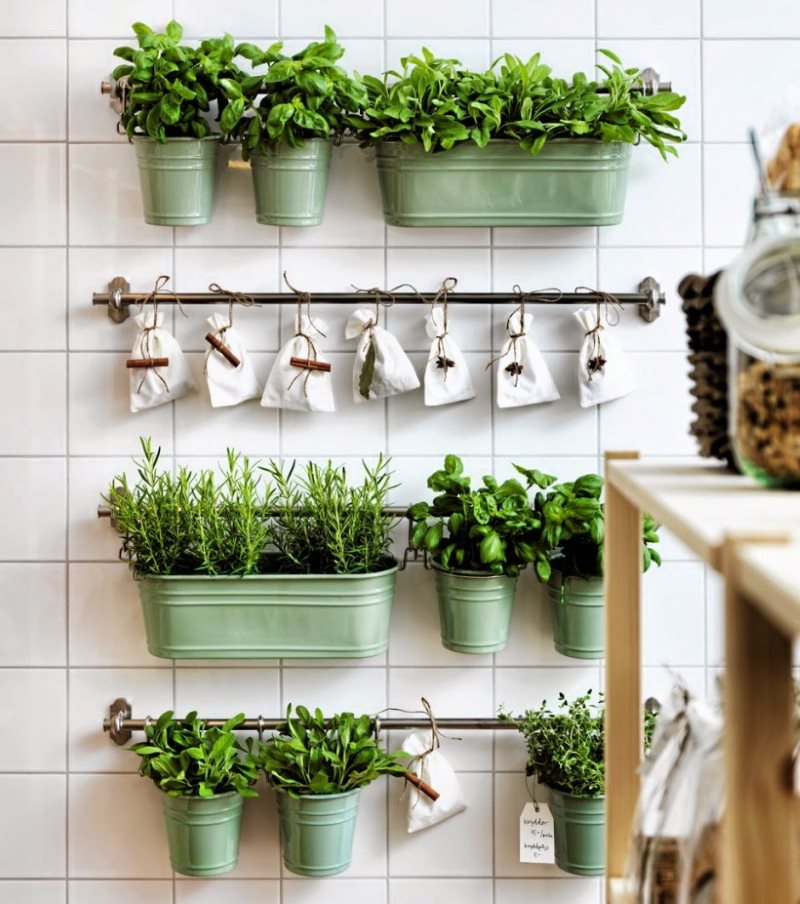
177	179
474	610
578	615
290	184
571	182
203	833
580	826
317	832
275	616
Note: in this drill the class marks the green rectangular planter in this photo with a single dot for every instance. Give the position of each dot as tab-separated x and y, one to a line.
579	825
276	616
571	182
474	610
578	611
290	184
203	833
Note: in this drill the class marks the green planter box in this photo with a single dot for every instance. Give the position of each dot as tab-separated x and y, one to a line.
579	825
284	616
317	832
203	833
578	615
177	179
572	182
290	184
474	610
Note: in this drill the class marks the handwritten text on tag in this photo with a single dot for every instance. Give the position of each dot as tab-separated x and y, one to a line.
536	841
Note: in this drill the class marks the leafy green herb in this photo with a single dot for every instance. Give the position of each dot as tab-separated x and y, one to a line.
438	103
314	755
367	374
185	757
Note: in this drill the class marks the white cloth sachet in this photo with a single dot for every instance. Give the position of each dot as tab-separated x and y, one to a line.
447	378
523	377
228	384
603	370
154	386
433	768
299	388
381	367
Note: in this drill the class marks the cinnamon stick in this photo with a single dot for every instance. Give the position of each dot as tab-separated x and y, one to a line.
146	362
310	364
424	787
223	349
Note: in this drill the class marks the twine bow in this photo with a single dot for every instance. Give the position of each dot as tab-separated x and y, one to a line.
152	298
384	298
607	304
241	298
304	298
447	286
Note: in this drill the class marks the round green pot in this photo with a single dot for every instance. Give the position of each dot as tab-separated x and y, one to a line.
578	615
178	179
290	184
203	833
317	832
474	610
571	182
579	825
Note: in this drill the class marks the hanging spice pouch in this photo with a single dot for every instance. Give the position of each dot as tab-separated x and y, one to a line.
447	378
230	376
299	381
603	371
523	377
158	370
381	367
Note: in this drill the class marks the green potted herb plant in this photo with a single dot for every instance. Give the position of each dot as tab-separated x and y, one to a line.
319	767
296	565
573	519
204	774
512	146
286	120
478	541
169	90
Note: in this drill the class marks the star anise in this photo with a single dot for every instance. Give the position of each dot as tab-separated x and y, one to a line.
596	365
444	363
515	369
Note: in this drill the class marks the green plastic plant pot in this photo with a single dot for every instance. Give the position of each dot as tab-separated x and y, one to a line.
578	615
178	179
579	825
317	832
290	184
474	610
571	182
276	616
203	833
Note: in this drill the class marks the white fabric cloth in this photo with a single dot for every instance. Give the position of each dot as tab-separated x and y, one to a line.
154	386
523	377
434	769
296	388
614	378
229	385
380	351
447	377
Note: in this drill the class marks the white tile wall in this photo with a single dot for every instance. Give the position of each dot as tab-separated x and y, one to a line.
71	636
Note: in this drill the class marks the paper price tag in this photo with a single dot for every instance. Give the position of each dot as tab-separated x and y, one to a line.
536	837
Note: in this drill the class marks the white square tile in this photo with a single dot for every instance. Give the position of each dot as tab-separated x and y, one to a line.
348	18
91	692
426	268
658	682
122	891
570	19
38	275
333	270
715	618
474	52
727	212
37	406
32	802
247	891
241	18
105	203
100	843
770	19
465	891
28	892
100	419
33	615
106	627
674	615
24	695
91	117
47	18
411	474
681	19
95	19
92	538
545	237
33	184
413	18
437	236
554	891
334	891
655	417
461	846
253	691
335	690
38	112
34	490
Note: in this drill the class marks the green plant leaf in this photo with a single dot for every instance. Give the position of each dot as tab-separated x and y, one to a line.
367	374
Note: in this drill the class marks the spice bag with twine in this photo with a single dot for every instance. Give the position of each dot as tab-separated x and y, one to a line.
604	372
228	384
300	388
447	378
431	765
381	367
156	386
523	377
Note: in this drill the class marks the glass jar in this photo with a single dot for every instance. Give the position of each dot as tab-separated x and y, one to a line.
758	301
